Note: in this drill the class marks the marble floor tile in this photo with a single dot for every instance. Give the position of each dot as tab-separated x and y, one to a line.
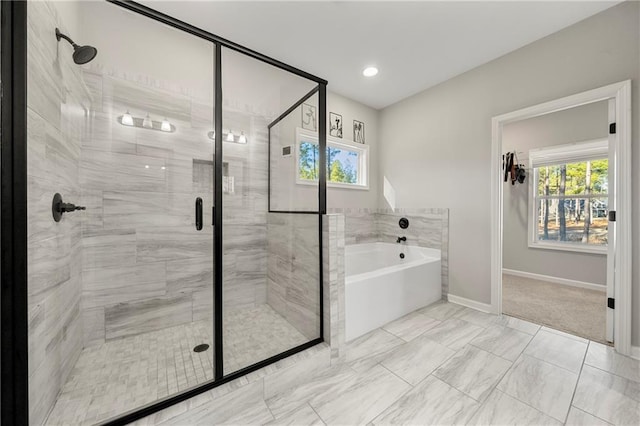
411	326
473	371
608	397
453	333
301	416
541	385
502	341
432	402
502	409
415	360
606	358
318	388
558	350
442	310
243	406
478	318
363	352
518	324
578	417
368	394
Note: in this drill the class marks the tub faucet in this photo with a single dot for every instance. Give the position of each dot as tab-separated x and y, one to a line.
401	239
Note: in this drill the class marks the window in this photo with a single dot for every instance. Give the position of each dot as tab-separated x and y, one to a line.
347	162
569	197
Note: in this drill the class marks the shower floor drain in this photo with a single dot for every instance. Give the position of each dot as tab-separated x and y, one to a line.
201	348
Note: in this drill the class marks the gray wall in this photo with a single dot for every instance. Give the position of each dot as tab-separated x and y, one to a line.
573	125
286	194
438	143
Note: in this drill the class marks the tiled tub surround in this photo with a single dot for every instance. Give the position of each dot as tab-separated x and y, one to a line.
444	364
293	270
427	228
124	374
57	116
333	248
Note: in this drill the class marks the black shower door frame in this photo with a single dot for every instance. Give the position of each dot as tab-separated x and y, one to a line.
14	391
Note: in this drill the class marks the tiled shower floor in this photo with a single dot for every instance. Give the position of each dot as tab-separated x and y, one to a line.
127	373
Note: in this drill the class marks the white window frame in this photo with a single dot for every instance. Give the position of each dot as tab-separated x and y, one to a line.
563	154
363	159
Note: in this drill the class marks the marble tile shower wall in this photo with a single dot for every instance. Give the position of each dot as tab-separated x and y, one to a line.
427	228
146	267
293	270
57	107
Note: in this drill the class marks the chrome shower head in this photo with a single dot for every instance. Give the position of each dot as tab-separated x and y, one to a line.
81	54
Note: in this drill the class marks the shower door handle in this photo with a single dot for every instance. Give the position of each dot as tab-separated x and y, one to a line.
198	213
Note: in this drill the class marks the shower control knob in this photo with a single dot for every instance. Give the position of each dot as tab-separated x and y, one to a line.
58	207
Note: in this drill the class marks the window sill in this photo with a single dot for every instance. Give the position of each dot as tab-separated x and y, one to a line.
571	247
335	185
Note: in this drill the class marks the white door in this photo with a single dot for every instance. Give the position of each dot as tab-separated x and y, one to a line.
611	234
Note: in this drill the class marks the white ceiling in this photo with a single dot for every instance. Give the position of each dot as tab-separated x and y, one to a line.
415	45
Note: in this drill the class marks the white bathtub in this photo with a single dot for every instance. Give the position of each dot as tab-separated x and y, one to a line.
381	287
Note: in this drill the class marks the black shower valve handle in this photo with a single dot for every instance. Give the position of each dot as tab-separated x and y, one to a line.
58	207
68	207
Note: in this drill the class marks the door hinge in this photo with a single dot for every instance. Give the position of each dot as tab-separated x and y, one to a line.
611	303
612	215
612	128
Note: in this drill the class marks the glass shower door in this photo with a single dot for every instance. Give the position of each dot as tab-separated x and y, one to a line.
270	267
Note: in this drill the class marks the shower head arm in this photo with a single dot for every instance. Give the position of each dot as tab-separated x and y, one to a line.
59	35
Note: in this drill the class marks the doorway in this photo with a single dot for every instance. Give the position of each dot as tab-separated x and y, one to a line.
608	270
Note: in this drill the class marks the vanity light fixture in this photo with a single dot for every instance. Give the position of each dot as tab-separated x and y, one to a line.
370	71
229	136
146	123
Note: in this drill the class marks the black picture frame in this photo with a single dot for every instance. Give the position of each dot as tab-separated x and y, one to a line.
309	117
335	125
358	131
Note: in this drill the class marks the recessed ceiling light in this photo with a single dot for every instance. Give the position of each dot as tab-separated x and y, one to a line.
370	71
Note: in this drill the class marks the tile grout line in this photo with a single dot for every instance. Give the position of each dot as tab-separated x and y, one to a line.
314	410
575	388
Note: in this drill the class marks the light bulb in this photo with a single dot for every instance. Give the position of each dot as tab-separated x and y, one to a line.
147	122
166	126
127	119
230	137
242	138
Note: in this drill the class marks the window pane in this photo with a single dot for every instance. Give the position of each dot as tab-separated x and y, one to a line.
585	220
575	177
308	161
342	165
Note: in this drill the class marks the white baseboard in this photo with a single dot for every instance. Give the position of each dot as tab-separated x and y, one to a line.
635	352
556	280
478	306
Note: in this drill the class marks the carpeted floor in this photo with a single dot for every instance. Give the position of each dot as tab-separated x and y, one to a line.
574	310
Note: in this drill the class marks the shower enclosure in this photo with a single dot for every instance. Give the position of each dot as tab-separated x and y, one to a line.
165	253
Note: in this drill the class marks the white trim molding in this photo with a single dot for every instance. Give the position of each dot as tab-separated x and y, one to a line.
635	352
556	280
620	147
478	306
